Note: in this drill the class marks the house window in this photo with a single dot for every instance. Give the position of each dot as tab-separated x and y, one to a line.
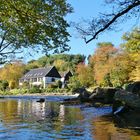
34	79
40	79
53	79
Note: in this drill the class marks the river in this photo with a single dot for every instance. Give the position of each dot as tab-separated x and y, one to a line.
27	119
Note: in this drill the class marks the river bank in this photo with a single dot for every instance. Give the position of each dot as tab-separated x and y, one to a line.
41	95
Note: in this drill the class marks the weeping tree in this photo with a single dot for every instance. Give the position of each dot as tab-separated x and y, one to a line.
121	11
36	24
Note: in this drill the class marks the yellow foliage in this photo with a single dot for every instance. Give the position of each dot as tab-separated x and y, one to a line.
135	74
59	64
12	73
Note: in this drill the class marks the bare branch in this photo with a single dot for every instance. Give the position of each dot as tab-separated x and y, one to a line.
114	19
2	39
10	52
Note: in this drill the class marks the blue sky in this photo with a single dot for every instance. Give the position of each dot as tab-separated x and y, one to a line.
87	9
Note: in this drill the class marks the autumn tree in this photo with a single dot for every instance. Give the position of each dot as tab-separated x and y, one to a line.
36	24
11	73
85	75
131	45
121	67
100	62
120	12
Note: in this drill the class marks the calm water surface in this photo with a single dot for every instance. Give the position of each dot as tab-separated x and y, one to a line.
26	119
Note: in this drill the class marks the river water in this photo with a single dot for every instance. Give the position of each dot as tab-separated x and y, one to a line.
27	119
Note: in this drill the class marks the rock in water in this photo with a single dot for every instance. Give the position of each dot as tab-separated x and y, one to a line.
84	96
104	95
128	98
134	88
41	100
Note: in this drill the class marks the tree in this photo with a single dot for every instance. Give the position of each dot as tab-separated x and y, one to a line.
85	75
122	10
74	83
60	65
63	62
132	46
100	62
36	24
11	73
121	67
132	41
32	65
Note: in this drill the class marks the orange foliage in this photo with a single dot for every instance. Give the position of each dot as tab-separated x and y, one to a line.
101	62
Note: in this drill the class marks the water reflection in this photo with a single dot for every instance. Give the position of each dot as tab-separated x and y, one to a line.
52	120
105	129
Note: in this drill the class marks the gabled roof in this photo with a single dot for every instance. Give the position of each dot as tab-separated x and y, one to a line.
64	74
38	72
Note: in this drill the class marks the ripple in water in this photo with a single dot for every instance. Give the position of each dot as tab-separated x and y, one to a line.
26	119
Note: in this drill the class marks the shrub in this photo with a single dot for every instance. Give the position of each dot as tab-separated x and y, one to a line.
63	90
53	86
12	84
25	85
49	90
74	84
35	89
14	91
58	83
3	85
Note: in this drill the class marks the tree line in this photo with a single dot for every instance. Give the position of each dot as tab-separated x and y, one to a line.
11	72
111	66
107	66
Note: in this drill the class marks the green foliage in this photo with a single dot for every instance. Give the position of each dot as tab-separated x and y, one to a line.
14	91
63	62
74	83
107	81
115	67
33	23
35	89
132	41
3	85
132	47
85	75
6	92
56	90
58	83
25	85
52	86
49	90
104	44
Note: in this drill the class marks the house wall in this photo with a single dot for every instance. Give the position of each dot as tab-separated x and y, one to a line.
49	80
32	81
45	81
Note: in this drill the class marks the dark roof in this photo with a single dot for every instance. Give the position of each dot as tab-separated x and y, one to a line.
38	72
64	74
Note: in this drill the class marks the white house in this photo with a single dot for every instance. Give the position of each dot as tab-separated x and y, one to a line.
41	76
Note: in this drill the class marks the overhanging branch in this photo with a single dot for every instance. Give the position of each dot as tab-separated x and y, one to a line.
116	16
